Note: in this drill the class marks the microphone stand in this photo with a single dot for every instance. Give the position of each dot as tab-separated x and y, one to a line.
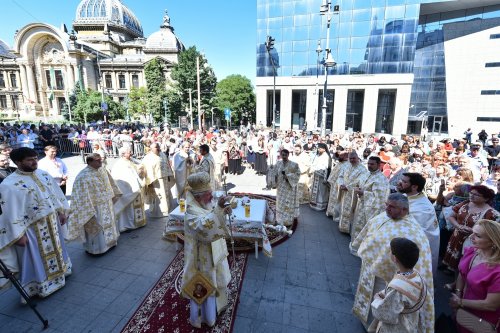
230	218
7	274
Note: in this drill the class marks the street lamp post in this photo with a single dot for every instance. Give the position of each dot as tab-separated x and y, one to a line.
125	105
199	91
325	9
191	107
269	47
213	108
165	109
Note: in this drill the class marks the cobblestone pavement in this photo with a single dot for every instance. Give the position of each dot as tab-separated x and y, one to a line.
307	286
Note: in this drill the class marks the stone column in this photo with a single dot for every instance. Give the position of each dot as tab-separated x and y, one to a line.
6	76
114	78
24	82
74	70
70	84
31	82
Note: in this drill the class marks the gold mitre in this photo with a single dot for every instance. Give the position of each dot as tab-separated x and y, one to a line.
199	182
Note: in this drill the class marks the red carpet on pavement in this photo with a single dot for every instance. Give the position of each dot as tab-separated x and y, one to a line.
164	310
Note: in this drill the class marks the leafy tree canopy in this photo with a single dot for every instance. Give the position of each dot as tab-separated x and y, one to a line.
156	88
88	107
236	93
184	74
137	101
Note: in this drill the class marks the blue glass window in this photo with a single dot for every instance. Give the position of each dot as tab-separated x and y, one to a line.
491	12
301	33
360	29
302	45
275	10
361	15
275	23
301	20
359	42
287	21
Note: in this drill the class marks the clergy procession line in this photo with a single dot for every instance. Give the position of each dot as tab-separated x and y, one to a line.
405	205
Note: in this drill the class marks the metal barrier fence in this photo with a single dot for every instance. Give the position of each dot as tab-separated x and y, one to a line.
84	147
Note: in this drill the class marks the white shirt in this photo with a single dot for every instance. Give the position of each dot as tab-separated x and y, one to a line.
57	169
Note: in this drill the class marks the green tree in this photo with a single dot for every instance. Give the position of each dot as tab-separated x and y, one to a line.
88	107
137	102
156	88
185	76
236	93
72	100
174	106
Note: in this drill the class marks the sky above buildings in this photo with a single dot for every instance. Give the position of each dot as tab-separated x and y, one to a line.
225	31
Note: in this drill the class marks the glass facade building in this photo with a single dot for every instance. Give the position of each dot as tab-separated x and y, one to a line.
366	36
370	37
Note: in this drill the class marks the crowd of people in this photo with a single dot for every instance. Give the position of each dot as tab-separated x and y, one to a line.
410	206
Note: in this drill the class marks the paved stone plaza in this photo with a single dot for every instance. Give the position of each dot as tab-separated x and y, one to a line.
308	285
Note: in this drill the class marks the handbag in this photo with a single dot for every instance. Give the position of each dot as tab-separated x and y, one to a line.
472	322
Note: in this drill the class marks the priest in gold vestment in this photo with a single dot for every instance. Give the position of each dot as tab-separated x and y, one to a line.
159	182
287	175
92	218
129	177
207	164
203	225
319	174
304	161
348	181
372	193
33	210
183	162
377	268
333	201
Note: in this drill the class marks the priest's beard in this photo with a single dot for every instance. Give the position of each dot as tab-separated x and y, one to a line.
207	205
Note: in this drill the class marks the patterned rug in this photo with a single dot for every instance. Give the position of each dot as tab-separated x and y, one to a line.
275	237
164	310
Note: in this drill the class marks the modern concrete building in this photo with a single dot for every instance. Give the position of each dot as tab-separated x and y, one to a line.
400	65
105	51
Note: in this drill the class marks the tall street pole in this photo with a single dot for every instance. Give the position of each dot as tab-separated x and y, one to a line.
199	91
269	46
325	9
191	108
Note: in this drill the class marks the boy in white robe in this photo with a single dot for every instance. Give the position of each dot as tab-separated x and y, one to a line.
397	308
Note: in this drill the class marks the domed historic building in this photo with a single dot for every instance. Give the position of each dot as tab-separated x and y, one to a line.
105	51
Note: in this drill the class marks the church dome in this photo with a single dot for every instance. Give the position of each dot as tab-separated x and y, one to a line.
164	39
112	12
5	50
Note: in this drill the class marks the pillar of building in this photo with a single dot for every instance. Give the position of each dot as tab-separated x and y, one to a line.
24	82
339	109
70	76
312	108
31	82
6	79
401	111
286	108
114	77
370	110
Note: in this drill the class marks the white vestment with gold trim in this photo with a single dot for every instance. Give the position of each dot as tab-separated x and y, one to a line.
30	204
131	214
93	217
202	226
373	244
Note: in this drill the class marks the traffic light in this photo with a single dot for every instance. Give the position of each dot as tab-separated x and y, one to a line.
269	43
